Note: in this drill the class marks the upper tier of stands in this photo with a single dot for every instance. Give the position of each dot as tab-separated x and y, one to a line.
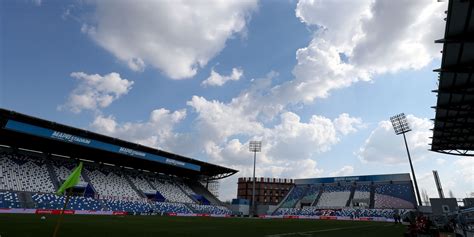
334	196
20	173
311	194
394	196
111	185
142	184
362	191
171	191
294	196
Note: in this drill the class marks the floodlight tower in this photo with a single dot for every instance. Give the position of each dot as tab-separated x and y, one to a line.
254	146
400	125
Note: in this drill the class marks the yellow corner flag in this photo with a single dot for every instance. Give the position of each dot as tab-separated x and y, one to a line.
71	180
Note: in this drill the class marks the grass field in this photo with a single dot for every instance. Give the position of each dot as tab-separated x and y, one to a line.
115	226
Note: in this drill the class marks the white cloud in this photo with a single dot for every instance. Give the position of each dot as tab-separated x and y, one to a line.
222	132
465	166
402	38
346	124
289	147
344	171
220	120
440	161
216	79
156	33
383	146
95	91
157	132
372	38
337	21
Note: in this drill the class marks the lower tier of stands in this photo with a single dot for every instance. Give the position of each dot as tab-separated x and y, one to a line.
348	212
218	210
51	201
9	200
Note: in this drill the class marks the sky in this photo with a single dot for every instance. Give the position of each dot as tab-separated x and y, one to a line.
315	81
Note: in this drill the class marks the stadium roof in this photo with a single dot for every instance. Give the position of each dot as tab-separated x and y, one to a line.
453	131
23	131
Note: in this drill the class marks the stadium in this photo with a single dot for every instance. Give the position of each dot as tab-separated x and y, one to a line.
122	178
62	180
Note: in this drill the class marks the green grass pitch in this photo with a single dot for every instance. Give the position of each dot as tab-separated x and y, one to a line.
26	225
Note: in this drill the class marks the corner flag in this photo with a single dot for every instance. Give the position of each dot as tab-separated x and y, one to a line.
71	180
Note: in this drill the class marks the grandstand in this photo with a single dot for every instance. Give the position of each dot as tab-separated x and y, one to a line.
36	156
372	196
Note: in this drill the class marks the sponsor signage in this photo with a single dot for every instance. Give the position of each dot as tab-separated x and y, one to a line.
54	212
119	213
91	143
364	178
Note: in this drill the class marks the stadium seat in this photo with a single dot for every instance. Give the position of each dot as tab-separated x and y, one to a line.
294	196
171	191
211	209
52	201
21	173
9	200
111	185
394	196
334	196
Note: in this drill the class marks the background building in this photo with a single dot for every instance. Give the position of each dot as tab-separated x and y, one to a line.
268	191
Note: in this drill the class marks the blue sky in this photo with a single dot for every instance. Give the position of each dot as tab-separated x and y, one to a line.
137	71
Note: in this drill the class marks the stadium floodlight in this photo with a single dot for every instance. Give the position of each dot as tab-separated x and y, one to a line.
400	125
254	146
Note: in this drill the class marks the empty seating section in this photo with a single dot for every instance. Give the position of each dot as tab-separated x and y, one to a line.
334	196
111	185
9	200
168	207
30	174
294	196
209	209
394	196
141	184
286	211
347	212
187	189
128	206
62	172
21	173
171	192
52	201
311	194
362	192
387	213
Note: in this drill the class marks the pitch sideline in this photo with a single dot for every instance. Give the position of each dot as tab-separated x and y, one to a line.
308	233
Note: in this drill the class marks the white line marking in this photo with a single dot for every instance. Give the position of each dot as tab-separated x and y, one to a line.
308	233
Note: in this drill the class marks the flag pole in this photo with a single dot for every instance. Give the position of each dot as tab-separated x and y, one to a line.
58	224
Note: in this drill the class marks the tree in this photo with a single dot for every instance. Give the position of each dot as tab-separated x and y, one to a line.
451	194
